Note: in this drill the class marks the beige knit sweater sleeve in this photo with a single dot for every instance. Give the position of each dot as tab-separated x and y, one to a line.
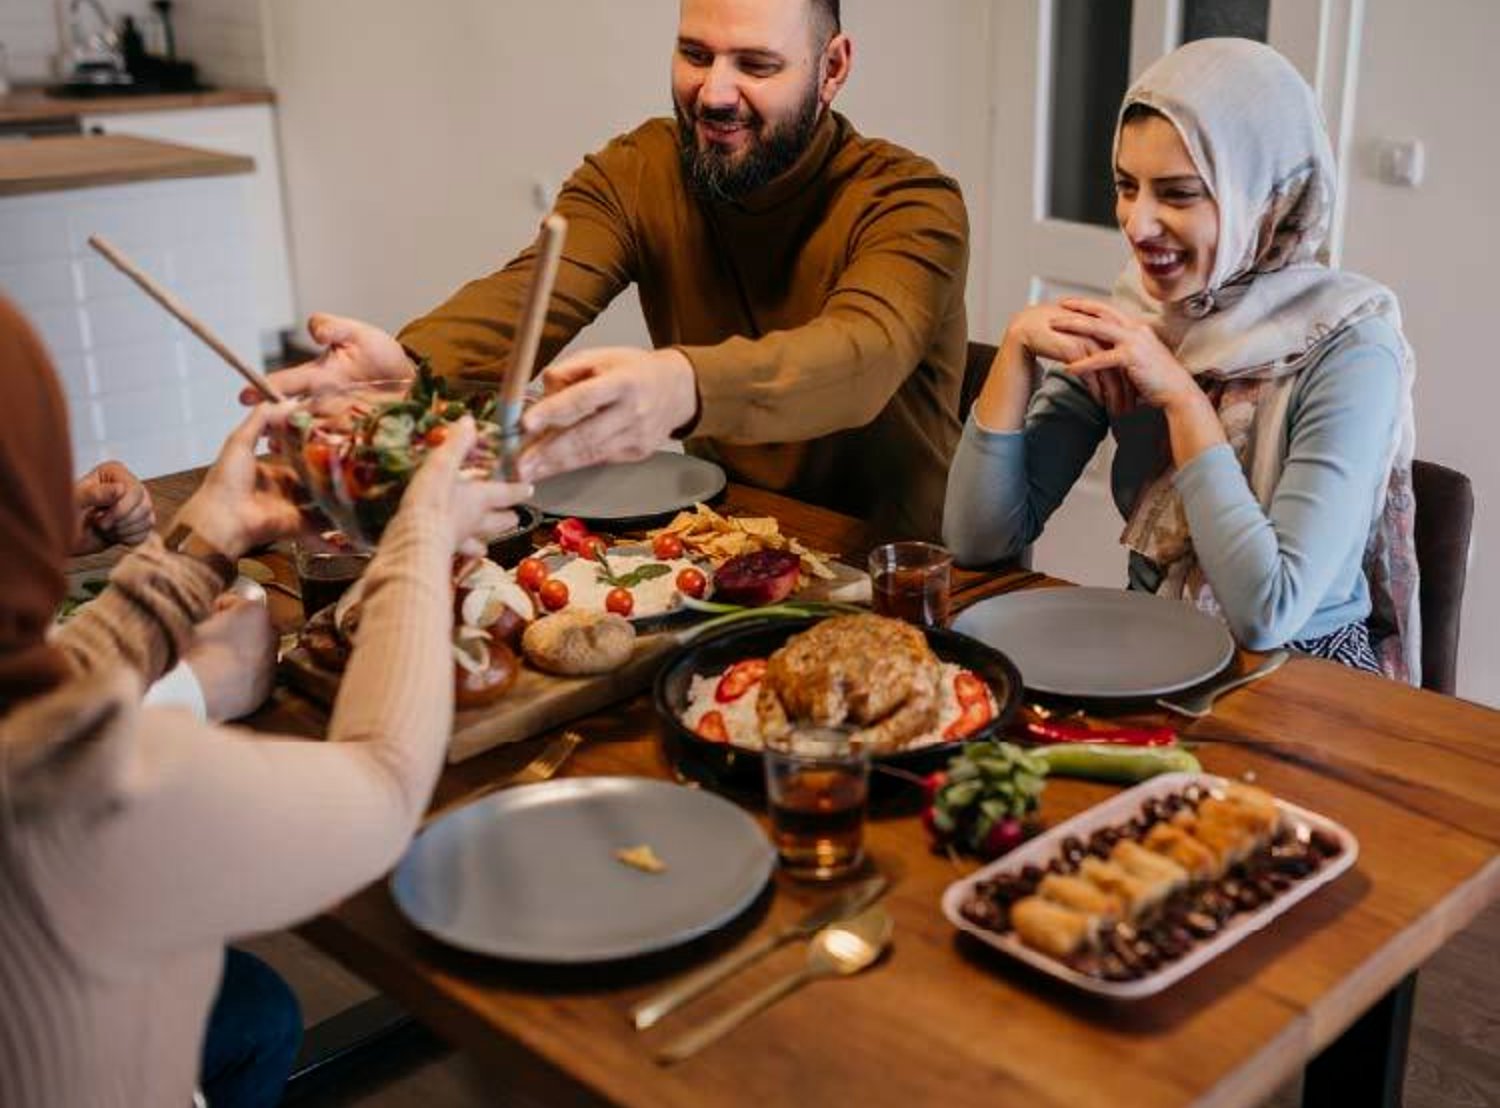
195	833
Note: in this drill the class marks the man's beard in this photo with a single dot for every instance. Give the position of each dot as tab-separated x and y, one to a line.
721	177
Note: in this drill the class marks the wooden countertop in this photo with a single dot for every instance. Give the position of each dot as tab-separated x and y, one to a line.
87	161
25	104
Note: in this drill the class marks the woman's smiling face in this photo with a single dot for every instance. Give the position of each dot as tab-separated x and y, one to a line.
1165	209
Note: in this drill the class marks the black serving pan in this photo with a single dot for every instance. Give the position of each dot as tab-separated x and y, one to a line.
725	767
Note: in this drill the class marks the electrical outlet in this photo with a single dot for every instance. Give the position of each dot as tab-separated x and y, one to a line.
1403	162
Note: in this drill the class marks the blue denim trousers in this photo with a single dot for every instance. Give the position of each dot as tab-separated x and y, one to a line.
254	1031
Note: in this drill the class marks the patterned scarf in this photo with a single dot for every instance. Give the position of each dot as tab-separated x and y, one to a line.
1251	125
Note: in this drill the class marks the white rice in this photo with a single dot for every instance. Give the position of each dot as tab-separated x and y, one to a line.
743	724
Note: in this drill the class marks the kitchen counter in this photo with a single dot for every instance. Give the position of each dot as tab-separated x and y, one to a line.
25	104
87	161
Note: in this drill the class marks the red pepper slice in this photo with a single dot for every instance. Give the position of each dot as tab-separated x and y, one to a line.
975	714
1083	733
970	689
738	679
571	533
711	726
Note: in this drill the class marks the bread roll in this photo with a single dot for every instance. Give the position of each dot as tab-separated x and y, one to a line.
575	643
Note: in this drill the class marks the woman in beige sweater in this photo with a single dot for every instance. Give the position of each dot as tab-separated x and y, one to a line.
135	842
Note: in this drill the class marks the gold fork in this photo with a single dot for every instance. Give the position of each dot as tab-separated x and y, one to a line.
541	768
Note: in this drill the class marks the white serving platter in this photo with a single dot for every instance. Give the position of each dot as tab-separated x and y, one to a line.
1113	812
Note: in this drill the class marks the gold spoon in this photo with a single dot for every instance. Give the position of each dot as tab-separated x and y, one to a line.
838	950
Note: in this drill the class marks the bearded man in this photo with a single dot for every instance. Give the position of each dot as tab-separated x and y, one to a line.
803	286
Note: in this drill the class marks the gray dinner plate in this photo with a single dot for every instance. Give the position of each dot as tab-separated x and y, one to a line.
530	873
1101	642
663	483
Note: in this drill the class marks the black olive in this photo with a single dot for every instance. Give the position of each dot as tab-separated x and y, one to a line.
1031	875
1326	845
986	914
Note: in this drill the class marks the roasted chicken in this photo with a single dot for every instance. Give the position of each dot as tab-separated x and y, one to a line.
874	675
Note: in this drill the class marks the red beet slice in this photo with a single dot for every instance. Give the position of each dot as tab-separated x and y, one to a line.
763	577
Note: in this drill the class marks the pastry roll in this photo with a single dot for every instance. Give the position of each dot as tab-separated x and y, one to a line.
1137	895
1150	867
1227	833
1257	804
1051	928
1186	851
1081	896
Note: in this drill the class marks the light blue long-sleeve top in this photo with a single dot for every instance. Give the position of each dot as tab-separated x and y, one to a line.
1293	572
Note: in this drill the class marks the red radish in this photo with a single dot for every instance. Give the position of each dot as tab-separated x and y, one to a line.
1004	835
759	578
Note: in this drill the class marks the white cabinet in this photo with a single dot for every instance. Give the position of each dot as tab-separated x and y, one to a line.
250	130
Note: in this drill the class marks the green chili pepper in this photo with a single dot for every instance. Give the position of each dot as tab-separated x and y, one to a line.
1111	762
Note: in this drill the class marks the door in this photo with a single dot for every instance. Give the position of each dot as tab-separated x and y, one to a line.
1060	69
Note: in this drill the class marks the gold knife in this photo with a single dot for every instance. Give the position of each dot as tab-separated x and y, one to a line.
846	904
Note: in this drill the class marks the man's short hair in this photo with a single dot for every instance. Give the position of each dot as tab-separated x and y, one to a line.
825	21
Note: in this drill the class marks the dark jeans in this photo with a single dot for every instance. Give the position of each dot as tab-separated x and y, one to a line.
254	1030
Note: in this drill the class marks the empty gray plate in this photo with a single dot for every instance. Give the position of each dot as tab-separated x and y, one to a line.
530	873
663	483
1101	642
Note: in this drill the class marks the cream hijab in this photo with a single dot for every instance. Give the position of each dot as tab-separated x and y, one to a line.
1252	127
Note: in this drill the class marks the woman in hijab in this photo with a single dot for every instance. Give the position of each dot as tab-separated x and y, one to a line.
1260	401
134	842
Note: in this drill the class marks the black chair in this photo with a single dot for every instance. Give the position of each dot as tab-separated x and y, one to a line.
976	369
1444	529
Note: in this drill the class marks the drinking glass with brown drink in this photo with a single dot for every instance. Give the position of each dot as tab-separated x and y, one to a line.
910	581
817	786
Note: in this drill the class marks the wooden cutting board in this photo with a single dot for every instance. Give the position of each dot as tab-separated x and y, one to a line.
539	702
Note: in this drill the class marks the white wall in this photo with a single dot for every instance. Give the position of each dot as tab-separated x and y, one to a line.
415	135
1428	71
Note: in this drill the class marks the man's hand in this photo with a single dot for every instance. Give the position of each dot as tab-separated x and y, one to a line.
113	507
616	404
353	352
233	656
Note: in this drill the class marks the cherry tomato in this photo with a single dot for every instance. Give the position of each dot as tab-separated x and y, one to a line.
691	582
571	533
593	548
666	547
619	601
317	455
738	679
436	435
554	594
970	689
713	728
531	573
975	715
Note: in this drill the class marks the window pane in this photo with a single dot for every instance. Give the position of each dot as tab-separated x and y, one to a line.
1090	72
1219	18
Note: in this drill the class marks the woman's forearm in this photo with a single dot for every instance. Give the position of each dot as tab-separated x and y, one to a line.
1001	404
1193	425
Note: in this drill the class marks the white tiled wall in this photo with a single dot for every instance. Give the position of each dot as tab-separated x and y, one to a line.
140	388
222	36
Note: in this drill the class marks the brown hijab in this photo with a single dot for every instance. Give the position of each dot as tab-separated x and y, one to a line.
36	511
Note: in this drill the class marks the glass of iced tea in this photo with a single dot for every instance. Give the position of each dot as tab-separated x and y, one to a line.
817	785
910	581
324	575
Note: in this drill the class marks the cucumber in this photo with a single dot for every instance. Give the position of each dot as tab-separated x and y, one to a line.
1113	762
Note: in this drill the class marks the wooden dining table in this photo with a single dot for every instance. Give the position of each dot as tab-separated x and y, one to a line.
944	1020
